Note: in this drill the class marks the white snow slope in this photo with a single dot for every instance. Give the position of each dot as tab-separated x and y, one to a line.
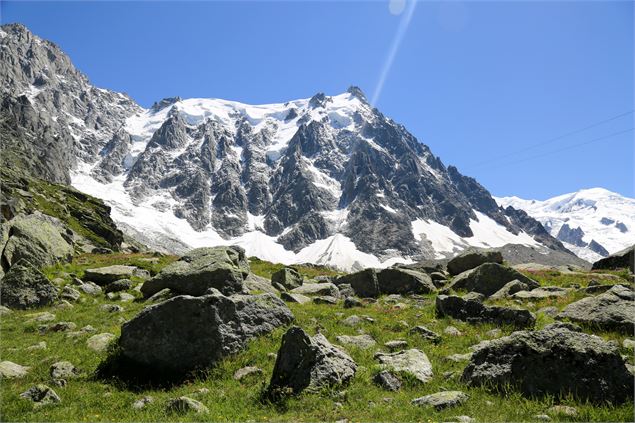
337	250
604	216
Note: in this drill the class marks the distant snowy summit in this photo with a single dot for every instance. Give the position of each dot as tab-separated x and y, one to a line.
593	223
325	179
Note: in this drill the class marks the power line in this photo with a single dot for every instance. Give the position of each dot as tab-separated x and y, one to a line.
569	147
531	147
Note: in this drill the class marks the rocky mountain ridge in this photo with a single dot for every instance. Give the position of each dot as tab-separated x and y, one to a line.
328	179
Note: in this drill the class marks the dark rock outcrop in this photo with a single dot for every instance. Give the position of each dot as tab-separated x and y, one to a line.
474	311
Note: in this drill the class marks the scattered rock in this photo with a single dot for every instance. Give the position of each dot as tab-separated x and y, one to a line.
613	310
488	278
426	333
452	331
459	358
563	410
541	417
324	289
59	327
41	317
396	345
36	347
185	332
412	361
364	283
23	286
353	320
404	281
471	259
90	288
118	286
475	312
629	344
41	395
350	302
549	311
124	297
111	308
222	268
10	370
359	341
163	295
387	381
509	289
109	274
70	294
494	333
295	298
441	400
63	370
325	300
4	310
182	405
100	341
255	284
246	372
287	277
542	293
552	361
142	402
309	363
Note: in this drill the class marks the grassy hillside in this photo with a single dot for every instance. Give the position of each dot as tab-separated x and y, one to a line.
90	399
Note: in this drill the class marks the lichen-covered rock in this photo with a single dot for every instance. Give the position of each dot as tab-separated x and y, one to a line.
613	310
222	268
322	289
364	283
489	278
186	333
553	361
309	363
360	341
471	259
474	311
41	395
26	287
441	400
412	361
11	370
182	405
109	274
404	281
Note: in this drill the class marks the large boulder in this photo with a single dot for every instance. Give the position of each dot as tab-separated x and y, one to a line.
404	281
40	239
223	268
24	287
621	260
613	310
108	274
364	282
473	311
287	277
488	278
471	259
309	363
185	332
554	361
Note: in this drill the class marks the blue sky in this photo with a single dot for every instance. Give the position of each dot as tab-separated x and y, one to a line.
487	85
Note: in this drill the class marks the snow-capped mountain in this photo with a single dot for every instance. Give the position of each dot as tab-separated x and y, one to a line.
593	223
326	179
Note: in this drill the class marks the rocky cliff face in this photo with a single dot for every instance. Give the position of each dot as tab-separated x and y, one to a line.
328	179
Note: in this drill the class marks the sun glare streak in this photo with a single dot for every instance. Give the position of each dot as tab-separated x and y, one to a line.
396	42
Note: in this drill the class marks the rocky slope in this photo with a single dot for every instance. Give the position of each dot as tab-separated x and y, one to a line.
327	180
592	223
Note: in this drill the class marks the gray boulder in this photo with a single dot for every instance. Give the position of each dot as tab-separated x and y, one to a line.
287	277
404	281
223	268
426	333
11	370
489	278
309	363
295	298
109	274
555	362
185	332
613	310
412	362
70	294
63	370
360	341
323	289
255	284
542	293
471	259
474	311
182	405
26	287
441	400
509	289
387	381
364	282
41	395
118	285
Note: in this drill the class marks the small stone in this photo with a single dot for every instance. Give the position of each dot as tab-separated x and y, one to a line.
124	297
90	288
272	356
100	342
111	308
182	405
350	302
563	410
463	419
41	317
542	417
458	358
4	310
60	327
629	344
452	331
494	333
41	395
359	341
118	285
88	329
70	294
387	380
246	372
426	333
449	375
64	305
353	320
549	311
294	298
396	345
63	370
38	346
441	400
142	402
326	299
11	370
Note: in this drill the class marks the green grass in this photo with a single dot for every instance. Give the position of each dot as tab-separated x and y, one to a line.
89	399
266	269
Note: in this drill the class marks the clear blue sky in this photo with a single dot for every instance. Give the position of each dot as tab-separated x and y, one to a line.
473	80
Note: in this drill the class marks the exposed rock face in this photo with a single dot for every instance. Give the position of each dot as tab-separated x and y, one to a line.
489	278
309	363
26	287
620	260
413	362
186	332
553	362
613	310
474	311
222	268
471	259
